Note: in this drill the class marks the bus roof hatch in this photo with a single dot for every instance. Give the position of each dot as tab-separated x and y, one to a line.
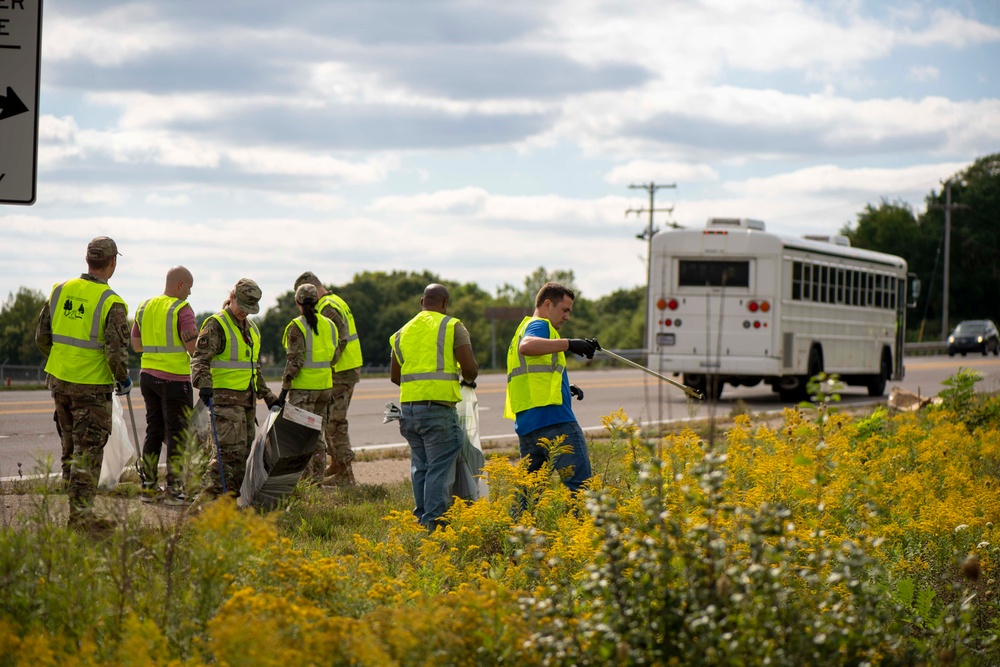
736	223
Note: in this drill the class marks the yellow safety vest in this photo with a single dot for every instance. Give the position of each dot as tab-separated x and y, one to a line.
316	373
532	382
351	356
236	366
78	309
162	349
425	350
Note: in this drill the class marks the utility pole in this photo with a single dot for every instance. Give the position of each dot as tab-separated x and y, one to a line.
948	208
648	234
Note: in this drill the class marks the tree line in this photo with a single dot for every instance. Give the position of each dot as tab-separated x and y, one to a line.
382	302
974	280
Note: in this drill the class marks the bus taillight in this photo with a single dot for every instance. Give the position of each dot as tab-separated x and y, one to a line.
672	304
752	306
764	306
661	303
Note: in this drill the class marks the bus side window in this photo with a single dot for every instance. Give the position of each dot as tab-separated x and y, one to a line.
878	290
840	286
796	281
855	288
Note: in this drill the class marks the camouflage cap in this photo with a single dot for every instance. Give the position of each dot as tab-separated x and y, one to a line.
101	248
306	293
247	296
307	277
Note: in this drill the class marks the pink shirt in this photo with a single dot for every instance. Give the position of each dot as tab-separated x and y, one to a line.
185	323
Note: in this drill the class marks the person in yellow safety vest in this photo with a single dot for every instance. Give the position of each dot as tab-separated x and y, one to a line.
428	354
539	394
311	342
164	332
83	330
346	374
224	370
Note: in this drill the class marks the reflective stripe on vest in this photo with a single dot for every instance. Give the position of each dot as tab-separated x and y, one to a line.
316	373
78	310
425	350
536	381
235	367
161	342
351	356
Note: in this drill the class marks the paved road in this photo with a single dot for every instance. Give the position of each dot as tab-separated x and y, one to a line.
28	433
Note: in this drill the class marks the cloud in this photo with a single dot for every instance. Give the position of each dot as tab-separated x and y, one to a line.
771	123
156	199
923	74
642	171
827	180
950	28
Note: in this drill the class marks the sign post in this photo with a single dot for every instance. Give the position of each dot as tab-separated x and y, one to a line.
20	64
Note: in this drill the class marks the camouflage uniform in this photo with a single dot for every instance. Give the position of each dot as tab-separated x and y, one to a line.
338	441
83	411
234	410
312	400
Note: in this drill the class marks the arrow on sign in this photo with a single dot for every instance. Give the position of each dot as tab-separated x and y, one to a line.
11	105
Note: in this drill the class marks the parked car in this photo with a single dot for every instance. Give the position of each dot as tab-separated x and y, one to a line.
974	336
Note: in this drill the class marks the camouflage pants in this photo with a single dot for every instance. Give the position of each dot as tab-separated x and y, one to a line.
318	403
236	429
338	441
84	424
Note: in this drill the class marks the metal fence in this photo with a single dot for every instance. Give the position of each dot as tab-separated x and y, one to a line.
11	374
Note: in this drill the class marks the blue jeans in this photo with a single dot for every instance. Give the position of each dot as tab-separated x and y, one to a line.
435	439
579	458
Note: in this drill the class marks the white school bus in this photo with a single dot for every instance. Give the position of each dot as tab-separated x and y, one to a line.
734	304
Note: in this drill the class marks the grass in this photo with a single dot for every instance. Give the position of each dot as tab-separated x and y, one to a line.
824	538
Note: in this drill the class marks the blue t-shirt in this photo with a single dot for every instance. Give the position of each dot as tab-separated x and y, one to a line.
533	419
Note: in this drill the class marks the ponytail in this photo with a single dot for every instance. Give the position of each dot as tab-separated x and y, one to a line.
309	312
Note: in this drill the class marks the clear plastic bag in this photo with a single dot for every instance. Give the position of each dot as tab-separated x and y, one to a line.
120	452
470	481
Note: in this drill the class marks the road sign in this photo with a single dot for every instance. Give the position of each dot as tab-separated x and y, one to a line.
20	63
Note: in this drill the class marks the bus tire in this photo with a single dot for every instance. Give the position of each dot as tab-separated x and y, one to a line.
876	386
815	363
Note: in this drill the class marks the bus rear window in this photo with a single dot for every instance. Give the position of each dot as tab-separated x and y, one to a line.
713	273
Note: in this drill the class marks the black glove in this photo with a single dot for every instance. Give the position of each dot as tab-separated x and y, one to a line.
123	387
280	401
205	394
583	348
576	391
471	385
593	341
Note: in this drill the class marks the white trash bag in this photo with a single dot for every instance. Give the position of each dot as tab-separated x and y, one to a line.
119	452
470	481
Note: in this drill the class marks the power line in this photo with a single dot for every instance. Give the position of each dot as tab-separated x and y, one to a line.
948	208
647	235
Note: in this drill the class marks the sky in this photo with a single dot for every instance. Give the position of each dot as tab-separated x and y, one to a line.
479	140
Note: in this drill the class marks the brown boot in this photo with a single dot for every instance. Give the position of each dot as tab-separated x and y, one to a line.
339	474
90	523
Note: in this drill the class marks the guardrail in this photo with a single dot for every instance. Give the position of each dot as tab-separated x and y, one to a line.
925	349
11	374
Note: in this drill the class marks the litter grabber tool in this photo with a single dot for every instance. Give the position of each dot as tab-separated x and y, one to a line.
124	388
693	393
135	433
218	450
